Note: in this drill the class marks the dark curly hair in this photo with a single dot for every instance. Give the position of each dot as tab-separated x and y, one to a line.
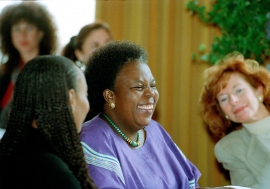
76	42
103	67
216	78
41	94
35	14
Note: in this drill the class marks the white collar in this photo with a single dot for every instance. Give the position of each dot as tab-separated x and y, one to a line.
259	127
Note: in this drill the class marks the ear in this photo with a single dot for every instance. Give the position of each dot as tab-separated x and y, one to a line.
41	34
78	54
72	99
259	91
108	95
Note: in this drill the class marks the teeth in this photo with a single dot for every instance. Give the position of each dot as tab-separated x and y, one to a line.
146	107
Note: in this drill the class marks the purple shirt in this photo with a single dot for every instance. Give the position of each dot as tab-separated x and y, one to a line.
158	164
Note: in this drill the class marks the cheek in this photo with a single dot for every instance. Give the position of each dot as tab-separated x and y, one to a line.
225	108
87	106
14	38
34	37
156	96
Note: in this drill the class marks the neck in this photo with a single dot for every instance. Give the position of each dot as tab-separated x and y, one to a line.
127	139
29	55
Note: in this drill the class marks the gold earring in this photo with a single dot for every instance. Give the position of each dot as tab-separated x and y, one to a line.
260	98
111	105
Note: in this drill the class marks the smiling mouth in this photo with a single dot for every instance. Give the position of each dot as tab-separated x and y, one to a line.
239	110
146	107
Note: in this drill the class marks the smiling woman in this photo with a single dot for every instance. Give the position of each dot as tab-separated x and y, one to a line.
236	108
123	146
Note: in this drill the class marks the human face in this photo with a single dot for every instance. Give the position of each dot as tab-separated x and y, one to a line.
136	96
79	101
239	100
95	39
26	37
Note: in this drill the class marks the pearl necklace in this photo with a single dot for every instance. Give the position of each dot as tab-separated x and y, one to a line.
130	142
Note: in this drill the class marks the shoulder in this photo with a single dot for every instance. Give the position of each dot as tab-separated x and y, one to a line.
96	128
97	135
232	138
46	170
155	129
231	145
48	162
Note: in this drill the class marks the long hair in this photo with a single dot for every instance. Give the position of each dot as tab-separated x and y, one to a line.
41	94
76	42
33	13
216	79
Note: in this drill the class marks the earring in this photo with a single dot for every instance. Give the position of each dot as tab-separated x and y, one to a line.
226	116
111	105
260	98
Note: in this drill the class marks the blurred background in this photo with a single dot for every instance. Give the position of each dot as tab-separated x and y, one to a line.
170	34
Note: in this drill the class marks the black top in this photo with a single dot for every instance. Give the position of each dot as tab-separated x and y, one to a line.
36	166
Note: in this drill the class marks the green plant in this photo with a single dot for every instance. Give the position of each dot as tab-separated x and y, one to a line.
243	26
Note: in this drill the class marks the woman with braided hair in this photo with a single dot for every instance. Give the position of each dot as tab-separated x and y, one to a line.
41	147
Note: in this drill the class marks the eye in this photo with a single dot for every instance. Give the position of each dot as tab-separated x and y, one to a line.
222	99
154	86
239	90
16	28
139	88
29	27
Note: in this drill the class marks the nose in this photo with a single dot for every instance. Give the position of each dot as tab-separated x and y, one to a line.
234	99
23	32
150	92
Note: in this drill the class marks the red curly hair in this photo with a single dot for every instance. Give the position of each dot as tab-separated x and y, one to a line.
216	79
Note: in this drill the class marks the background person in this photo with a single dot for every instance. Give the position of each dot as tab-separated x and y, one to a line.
90	37
26	31
236	108
41	143
123	146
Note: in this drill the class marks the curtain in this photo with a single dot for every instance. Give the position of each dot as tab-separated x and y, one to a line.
171	35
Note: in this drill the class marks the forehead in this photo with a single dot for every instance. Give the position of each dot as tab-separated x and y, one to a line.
135	70
22	21
229	80
93	34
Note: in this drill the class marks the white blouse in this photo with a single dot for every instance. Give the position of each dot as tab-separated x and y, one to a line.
261	130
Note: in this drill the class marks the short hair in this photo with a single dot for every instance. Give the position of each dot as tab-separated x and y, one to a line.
105	64
76	42
41	93
216	78
33	13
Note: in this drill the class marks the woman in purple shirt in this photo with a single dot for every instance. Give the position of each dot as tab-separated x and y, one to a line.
123	146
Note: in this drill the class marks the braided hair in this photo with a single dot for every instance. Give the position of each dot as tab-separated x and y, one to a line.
41	94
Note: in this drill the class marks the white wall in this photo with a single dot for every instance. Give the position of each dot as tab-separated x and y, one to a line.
69	15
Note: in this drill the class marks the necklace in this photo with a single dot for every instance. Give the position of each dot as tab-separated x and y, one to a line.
130	142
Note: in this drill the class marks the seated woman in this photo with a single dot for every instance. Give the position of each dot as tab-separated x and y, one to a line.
236	108
27	30
41	147
123	146
89	38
